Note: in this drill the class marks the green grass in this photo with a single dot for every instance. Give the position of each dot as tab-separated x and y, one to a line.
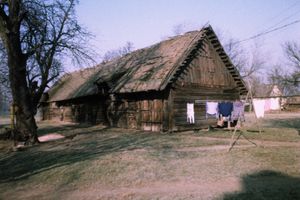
100	163
268	134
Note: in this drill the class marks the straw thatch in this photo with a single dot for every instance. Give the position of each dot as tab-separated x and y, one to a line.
74	85
147	69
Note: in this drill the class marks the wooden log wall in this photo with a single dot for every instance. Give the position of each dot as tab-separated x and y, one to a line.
45	111
140	114
85	113
205	79
139	111
292	103
89	110
54	112
185	95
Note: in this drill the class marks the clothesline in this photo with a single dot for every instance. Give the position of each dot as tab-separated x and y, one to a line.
228	110
225	109
263	105
233	109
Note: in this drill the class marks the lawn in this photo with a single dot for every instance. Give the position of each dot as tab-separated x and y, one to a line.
95	162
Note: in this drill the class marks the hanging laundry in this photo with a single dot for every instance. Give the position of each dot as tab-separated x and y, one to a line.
190	113
211	108
259	107
238	112
267	105
275	103
225	108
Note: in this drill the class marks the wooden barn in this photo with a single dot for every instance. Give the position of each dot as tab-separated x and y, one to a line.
151	88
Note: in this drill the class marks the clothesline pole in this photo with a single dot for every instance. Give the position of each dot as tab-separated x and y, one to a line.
260	133
241	133
232	142
257	119
258	116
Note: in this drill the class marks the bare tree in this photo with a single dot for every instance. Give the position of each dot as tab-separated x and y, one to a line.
288	78
117	53
36	35
236	53
292	52
254	82
282	78
179	29
248	63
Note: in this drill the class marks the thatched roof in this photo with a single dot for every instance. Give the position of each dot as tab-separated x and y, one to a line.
147	69
74	85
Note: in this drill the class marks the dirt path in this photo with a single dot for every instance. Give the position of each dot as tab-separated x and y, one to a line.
180	189
164	190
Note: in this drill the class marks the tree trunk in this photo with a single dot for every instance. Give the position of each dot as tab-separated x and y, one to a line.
22	99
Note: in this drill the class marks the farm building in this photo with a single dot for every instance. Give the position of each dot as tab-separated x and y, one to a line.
151	88
267	91
292	103
272	95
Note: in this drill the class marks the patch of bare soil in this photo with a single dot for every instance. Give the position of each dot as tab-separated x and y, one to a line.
51	137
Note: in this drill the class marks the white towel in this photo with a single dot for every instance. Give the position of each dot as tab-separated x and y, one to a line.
212	108
275	104
259	107
190	113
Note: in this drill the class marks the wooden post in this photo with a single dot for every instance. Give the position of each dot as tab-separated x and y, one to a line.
165	117
170	111
260	132
232	142
241	133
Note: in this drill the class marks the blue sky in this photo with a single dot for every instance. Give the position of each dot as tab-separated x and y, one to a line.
145	22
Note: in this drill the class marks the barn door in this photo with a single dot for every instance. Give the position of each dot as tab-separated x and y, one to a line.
157	115
146	115
132	115
151	115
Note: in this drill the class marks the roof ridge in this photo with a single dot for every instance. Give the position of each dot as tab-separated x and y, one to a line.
147	69
183	57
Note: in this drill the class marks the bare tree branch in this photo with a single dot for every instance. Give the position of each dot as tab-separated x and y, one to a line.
112	54
288	78
292	52
287	81
247	63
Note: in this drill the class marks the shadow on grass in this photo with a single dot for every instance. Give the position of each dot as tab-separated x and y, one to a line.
284	123
267	185
20	165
